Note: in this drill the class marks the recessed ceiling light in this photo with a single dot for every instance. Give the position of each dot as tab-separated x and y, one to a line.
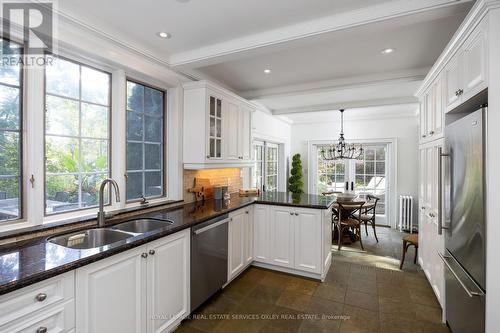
267	71
387	51
163	34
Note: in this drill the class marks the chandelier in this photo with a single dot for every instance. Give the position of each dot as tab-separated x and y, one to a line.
341	150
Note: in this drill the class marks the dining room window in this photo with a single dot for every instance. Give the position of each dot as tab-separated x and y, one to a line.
77	135
266	170
11	129
145	141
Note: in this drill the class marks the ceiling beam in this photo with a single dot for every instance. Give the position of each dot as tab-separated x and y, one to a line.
209	54
348	105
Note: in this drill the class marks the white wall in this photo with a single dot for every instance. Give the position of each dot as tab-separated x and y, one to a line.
271	128
403	129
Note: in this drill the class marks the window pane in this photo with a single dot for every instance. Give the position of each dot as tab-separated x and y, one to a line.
62	116
94	121
152	156
144	127
153	101
9	198
134	185
95	86
9	107
77	135
61	154
153	184
380	154
134	156
9	74
370	167
153	128
62	78
135	97
380	168
134	126
9	153
370	154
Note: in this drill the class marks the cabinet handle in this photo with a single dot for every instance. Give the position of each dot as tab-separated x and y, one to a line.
424	136
460	91
152	252
41	297
144	255
291	213
208	156
431	133
247	212
296	214
41	329
456	93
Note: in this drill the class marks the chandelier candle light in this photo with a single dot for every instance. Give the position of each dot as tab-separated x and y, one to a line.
341	150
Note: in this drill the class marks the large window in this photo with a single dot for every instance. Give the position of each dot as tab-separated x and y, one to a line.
371	176
266	167
145	112
10	134
77	138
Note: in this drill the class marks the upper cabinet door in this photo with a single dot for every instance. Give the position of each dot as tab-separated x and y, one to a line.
474	63
231	130
452	83
168	281
423	121
245	137
430	110
214	140
438	108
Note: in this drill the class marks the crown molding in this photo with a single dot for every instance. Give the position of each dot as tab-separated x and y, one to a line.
348	105
476	14
376	13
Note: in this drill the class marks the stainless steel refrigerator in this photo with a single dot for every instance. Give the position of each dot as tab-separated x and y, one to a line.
462	220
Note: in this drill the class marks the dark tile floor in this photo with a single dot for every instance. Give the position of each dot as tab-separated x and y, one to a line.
363	292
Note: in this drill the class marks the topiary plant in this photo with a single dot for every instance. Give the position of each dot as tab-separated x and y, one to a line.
296	181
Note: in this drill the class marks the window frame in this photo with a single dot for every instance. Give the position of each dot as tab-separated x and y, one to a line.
164	145
266	144
110	133
22	200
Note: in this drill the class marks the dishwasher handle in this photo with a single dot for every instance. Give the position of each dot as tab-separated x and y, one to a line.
211	226
470	293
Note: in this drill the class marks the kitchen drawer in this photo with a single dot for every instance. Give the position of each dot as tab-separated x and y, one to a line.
23	303
57	319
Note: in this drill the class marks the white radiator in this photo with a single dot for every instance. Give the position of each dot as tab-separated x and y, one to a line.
406	213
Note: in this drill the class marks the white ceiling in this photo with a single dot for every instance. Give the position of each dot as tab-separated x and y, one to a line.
324	54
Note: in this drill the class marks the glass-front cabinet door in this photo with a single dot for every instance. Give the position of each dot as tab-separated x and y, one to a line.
215	129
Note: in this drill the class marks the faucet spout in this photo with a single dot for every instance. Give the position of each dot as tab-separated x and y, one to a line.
101	216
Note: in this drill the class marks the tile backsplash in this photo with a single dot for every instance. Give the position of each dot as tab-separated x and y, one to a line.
231	177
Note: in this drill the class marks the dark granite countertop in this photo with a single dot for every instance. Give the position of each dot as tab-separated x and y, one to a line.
30	262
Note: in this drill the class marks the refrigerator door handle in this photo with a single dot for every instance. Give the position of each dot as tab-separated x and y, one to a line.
440	190
470	293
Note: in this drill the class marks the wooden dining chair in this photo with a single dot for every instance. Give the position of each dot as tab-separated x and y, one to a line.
349	218
407	242
335	213
368	215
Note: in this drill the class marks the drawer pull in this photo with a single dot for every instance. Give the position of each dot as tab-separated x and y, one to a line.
41	297
41	330
152	252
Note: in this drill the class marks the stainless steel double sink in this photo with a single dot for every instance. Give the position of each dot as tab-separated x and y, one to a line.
97	237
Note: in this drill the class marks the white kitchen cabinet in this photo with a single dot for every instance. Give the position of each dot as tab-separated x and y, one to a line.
168	282
262	233
217	127
294	240
432	112
240	251
145	289
307	232
282	236
466	73
111	294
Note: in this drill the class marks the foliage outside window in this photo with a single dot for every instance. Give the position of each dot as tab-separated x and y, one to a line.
145	167
10	134
77	139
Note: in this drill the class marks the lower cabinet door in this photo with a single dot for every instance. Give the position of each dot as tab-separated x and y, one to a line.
261	234
282	236
168	281
307	240
111	294
236	242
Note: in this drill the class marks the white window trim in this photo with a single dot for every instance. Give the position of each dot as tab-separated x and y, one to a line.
281	187
392	170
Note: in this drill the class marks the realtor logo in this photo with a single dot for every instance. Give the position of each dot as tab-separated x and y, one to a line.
33	22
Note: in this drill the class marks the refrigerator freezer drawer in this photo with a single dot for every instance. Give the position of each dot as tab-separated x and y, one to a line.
465	301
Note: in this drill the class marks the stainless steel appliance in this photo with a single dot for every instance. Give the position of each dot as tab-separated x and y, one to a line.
462	219
209	246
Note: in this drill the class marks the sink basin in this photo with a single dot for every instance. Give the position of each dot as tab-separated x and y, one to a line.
141	226
89	239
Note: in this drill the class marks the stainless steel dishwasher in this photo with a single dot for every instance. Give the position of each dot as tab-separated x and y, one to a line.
209	246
